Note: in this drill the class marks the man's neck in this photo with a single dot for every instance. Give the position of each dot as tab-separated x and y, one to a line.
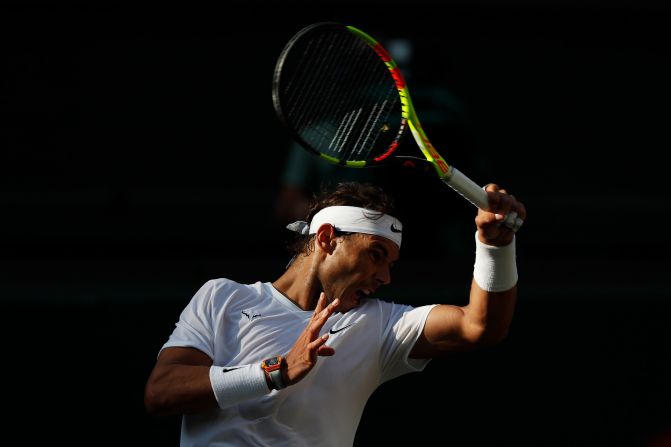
299	283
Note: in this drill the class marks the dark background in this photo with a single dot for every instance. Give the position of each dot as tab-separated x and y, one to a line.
140	156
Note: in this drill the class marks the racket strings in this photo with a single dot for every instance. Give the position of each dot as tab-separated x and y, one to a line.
340	97
312	67
333	105
370	105
322	101
379	114
345	141
377	105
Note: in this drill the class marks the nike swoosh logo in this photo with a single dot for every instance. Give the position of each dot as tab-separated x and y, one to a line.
395	230
231	369
335	331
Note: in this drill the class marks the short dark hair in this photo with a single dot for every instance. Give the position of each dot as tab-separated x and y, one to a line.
363	195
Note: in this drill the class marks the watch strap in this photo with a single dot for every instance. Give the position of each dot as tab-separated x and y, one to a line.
273	366
276	378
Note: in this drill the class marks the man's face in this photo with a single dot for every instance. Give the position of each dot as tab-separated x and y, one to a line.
356	267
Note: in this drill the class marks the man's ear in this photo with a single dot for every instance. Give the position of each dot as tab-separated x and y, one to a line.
325	238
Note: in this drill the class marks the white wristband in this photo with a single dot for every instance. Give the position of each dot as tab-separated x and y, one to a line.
495	268
235	384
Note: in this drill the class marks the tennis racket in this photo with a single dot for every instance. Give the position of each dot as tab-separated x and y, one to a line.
343	98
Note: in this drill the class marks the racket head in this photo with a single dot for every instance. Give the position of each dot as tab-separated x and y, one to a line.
341	95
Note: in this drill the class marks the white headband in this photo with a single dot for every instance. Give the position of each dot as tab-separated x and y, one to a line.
353	219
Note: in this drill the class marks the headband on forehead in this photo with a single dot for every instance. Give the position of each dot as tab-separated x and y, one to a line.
353	219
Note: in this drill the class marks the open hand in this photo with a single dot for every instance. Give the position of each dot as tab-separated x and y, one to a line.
309	345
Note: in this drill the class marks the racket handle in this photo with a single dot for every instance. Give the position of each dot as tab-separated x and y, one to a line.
476	195
467	188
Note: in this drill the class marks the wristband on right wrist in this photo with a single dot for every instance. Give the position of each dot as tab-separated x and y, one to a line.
495	268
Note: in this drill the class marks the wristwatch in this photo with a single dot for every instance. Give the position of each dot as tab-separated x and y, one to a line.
272	367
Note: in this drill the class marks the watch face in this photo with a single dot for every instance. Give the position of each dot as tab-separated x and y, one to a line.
272	362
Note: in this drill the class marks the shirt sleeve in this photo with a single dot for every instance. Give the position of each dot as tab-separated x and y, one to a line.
401	327
195	326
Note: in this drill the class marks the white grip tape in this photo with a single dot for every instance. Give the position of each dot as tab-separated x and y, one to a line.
477	195
467	188
495	268
232	385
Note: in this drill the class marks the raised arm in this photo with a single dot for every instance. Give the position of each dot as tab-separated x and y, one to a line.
487	316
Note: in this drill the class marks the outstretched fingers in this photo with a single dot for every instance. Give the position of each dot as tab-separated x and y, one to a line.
319	318
303	355
318	347
321	303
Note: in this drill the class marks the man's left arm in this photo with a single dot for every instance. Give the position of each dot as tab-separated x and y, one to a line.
487	316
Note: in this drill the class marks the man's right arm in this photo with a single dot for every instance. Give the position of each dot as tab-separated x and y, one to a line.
180	383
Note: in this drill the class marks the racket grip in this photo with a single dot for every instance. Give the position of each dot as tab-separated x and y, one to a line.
477	196
467	188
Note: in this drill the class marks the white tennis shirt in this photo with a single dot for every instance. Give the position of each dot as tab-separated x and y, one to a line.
239	324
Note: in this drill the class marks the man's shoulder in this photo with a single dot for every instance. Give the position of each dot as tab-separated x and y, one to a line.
224	286
379	308
388	310
384	305
222	290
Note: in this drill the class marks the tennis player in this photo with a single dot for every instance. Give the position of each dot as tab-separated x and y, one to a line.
293	362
